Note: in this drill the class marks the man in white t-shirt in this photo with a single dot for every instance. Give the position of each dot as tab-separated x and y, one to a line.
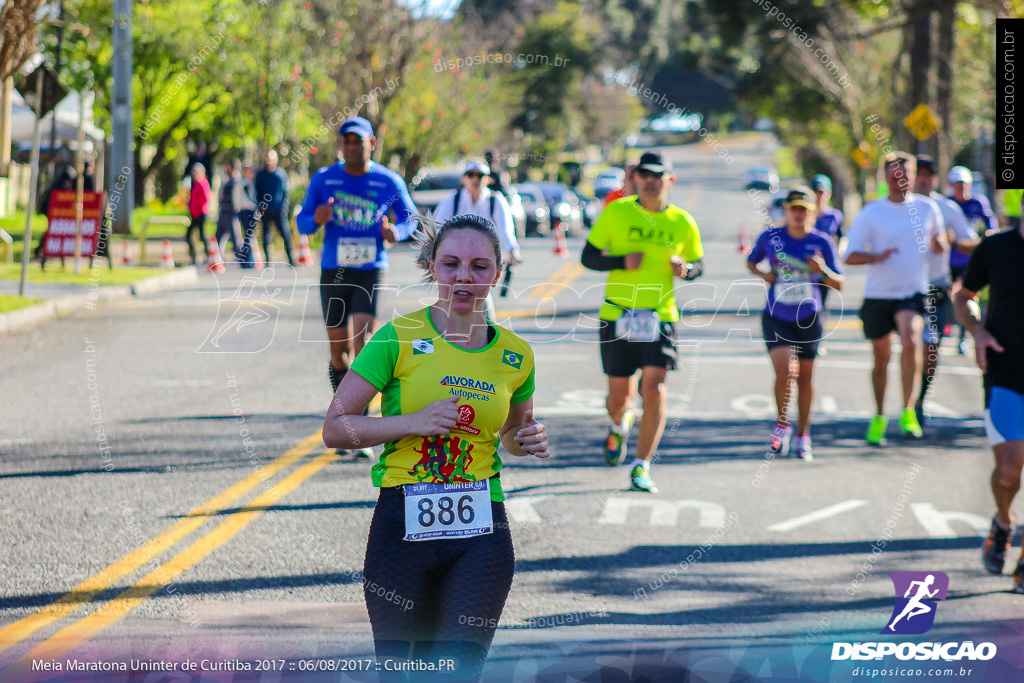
479	200
961	238
893	236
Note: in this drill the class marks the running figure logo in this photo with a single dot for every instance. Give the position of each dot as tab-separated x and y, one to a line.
914	613
247	318
443	458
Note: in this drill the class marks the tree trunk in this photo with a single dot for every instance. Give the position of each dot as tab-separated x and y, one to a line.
944	82
920	62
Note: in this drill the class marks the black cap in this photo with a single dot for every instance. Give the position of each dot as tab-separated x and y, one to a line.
651	161
926	162
800	196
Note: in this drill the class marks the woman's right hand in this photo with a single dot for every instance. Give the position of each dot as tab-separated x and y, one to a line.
440	417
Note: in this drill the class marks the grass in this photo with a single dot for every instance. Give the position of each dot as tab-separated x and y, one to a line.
12	302
54	275
785	163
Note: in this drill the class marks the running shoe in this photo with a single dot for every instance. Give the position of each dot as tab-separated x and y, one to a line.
615	446
640	479
1018	578
781	435
363	453
909	424
876	430
961	348
802	448
993	552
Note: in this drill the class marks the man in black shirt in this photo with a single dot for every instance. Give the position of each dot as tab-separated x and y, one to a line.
998	263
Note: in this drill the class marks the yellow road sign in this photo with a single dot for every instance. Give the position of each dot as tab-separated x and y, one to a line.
922	122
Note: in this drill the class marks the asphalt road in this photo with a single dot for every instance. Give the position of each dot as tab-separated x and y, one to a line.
164	494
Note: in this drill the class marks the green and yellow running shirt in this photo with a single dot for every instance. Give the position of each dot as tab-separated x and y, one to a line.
413	366
624	227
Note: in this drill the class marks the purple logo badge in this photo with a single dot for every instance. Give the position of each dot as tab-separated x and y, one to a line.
917	594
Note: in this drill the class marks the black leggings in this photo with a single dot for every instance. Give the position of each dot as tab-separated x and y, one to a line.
434	600
197	224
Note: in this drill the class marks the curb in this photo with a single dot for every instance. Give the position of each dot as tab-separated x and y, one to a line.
30	316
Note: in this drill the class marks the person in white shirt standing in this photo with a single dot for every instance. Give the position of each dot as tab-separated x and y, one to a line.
893	236
477	199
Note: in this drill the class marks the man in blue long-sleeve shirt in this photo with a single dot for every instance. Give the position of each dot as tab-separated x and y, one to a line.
351	200
272	198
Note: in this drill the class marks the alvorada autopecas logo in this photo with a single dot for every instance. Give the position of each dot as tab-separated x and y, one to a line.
916	602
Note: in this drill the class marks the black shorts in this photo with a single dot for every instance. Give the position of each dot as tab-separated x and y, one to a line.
435	599
344	291
621	358
802	335
879	315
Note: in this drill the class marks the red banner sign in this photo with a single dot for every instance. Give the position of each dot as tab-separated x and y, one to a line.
60	235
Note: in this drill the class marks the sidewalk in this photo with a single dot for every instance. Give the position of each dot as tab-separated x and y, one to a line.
62	300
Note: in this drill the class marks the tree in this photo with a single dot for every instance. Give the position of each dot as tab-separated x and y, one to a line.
18	22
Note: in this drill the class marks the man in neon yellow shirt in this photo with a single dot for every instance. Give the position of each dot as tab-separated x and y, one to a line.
1011	207
645	243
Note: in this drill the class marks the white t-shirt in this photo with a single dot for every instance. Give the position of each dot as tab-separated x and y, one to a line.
909	227
955	222
502	217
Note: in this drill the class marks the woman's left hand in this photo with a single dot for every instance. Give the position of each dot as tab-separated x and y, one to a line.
532	437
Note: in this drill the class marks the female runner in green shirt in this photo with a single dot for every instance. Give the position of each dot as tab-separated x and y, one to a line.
439	558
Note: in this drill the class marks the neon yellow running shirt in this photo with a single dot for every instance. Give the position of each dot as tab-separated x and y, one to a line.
413	366
624	227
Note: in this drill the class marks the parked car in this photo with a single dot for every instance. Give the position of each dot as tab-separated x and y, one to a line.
606	181
429	189
538	216
591	207
762	177
515	205
566	209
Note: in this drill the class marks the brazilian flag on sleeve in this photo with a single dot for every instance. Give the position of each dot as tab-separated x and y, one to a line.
511	358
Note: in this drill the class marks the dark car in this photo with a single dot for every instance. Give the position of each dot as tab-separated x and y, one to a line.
538	216
565	207
591	207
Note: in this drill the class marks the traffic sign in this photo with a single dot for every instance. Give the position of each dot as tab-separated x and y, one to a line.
53	91
922	122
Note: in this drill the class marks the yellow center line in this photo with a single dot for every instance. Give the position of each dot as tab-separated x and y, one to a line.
537	291
558	284
87	590
119	607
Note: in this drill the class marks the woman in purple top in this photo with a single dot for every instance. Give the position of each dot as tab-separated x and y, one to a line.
800	261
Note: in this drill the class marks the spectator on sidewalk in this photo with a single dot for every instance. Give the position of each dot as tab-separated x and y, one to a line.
198	208
272	197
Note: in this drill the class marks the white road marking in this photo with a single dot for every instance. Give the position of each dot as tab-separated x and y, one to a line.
753	405
818	515
663	512
827	405
191	383
937	523
520	508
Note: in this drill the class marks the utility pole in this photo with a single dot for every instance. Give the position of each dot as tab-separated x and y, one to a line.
122	167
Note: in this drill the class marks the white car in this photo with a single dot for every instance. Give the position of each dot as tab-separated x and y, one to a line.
761	178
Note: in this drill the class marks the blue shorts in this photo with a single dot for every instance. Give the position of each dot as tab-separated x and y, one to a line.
1004	415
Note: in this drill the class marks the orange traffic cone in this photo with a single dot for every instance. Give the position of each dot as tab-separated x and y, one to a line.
305	255
257	254
126	259
743	240
167	258
561	247
214	263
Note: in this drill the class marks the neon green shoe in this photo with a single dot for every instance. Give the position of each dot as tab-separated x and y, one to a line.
615	446
909	424
876	429
640	479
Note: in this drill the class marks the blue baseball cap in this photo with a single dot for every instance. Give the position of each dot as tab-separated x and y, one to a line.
357	125
821	182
